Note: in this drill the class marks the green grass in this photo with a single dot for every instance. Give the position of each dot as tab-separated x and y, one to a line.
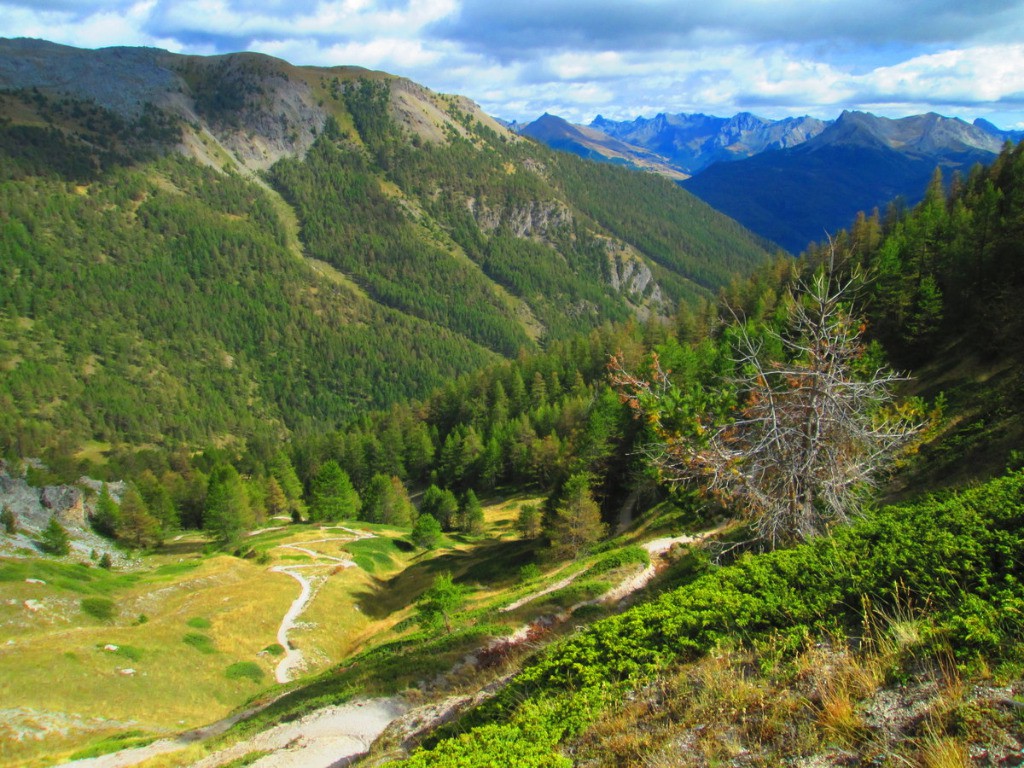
198	622
244	670
176	569
631	555
115	743
129	652
72	577
373	554
202	643
102	608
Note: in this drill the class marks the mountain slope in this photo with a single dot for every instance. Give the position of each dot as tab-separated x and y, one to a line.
795	196
291	245
595	145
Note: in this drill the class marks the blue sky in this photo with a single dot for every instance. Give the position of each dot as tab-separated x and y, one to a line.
619	58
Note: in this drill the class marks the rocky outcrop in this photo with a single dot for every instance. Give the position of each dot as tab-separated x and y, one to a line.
630	275
33	507
534	220
64	501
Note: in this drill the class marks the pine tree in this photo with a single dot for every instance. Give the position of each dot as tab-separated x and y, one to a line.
471	514
441	505
54	538
529	521
577	521
226	512
9	520
107	516
137	528
276	501
386	501
334	498
426	532
440	603
284	472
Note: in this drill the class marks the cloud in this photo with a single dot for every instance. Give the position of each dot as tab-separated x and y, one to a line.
577	58
518	30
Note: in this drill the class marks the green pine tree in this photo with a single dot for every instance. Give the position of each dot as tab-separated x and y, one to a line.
54	538
334	498
577	522
226	513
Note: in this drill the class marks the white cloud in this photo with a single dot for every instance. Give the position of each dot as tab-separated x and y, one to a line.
578	58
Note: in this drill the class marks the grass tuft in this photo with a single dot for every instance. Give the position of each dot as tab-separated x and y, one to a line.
202	643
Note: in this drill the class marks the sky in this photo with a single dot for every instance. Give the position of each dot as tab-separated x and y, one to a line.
618	58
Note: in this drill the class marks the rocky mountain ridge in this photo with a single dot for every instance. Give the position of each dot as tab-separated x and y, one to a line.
691	143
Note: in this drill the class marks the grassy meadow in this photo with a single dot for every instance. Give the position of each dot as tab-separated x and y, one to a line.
188	636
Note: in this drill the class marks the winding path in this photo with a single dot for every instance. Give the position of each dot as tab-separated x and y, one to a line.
293	656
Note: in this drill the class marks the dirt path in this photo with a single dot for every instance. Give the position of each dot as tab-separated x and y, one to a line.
655	548
540	593
324	738
293	656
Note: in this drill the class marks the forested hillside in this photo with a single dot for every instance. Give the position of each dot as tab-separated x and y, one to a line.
895	637
179	268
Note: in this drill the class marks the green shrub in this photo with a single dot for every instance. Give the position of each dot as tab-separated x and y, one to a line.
202	643
577	592
129	652
631	555
275	649
244	670
529	572
102	608
198	622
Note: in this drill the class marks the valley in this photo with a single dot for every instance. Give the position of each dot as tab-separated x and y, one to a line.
191	637
341	423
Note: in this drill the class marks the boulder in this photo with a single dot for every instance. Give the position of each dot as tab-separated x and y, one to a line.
65	501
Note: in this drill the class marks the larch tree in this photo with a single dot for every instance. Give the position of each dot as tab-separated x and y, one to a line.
812	426
137	528
577	521
227	512
334	497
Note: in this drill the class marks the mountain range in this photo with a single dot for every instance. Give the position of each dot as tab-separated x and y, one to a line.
792	181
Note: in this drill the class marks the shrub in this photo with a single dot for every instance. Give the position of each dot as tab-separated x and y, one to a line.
54	539
631	555
198	622
202	643
9	520
244	670
529	572
101	608
275	649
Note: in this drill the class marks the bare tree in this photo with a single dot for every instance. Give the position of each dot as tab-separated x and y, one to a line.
813	429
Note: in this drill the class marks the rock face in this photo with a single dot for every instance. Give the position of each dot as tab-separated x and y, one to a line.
532	221
33	507
66	502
